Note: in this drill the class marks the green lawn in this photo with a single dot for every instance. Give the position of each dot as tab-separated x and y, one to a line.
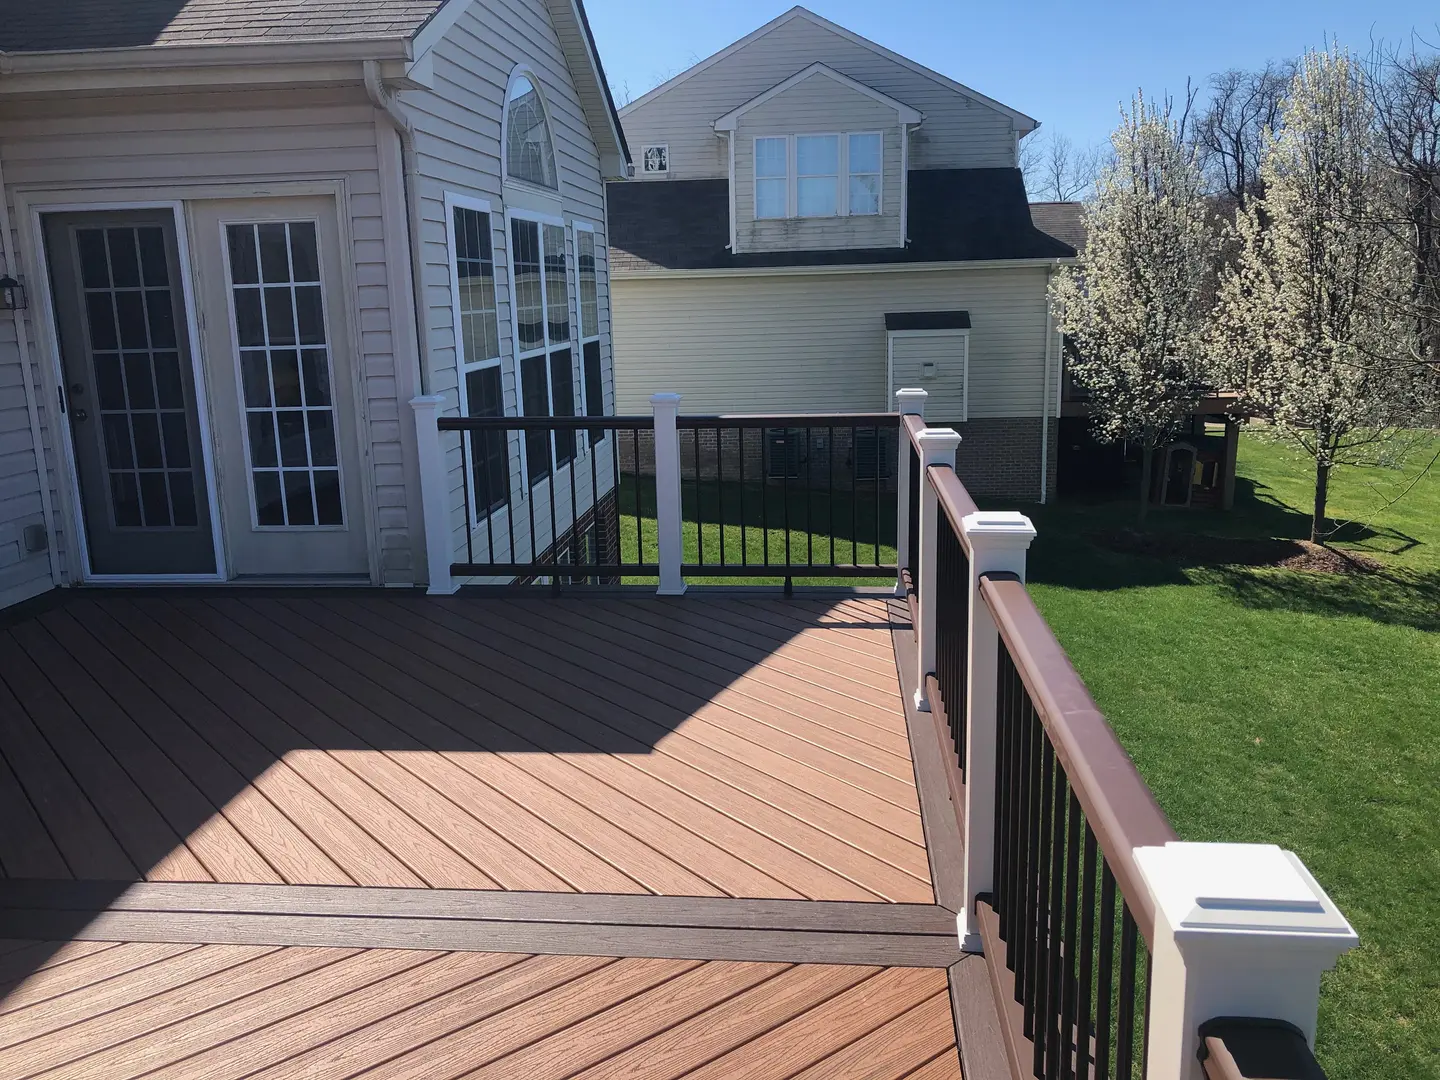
814	519
1301	709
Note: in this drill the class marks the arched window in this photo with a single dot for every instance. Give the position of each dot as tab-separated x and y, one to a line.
529	150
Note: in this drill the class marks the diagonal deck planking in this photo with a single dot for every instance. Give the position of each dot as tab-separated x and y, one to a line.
275	834
222	1012
716	747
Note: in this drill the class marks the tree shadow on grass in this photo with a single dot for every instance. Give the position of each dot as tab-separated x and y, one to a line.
1076	550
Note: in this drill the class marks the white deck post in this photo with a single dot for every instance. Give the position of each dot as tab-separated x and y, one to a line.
910	403
1242	930
937	447
998	541
434	493
667	493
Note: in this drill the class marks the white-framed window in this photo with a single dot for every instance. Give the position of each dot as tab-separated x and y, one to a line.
772	172
529	148
587	273
821	175
817	175
470	230
655	159
864	158
540	291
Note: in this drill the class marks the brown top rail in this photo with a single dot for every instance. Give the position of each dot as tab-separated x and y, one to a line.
770	420
913	425
954	499
1248	1048
1118	805
544	423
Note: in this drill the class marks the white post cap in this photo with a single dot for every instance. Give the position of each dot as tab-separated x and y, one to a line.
911	401
1000	526
664	399
427	401
938	440
1251	891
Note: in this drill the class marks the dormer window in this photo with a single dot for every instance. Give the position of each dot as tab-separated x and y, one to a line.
864	154
772	185
819	176
529	150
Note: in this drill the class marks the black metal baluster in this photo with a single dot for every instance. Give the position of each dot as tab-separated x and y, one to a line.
785	505
615	482
809	498
1035	1005
465	493
1125	1010
1087	957
509	499
574	506
765	496
1068	1037
877	496
830	491
595	501
1054	924
489	517
1105	983
699	494
530	506
1004	781
720	488
1029	841
1145	1029
854	500
639	529
552	441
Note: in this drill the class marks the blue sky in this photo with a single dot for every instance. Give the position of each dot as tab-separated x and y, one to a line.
1067	64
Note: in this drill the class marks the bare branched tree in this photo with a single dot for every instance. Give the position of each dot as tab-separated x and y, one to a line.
1229	135
1056	170
1405	88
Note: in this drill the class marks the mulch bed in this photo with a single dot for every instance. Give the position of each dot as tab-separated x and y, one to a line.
1236	551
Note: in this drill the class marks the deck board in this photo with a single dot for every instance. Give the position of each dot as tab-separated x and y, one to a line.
219	1013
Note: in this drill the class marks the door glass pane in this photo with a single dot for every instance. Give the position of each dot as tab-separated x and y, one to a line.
490	463
535	403
562	388
594	388
140	395
287	392
529	310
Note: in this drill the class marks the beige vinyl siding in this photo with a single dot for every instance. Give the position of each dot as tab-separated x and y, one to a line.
958	132
152	145
22	574
819	105
945	351
457	144
752	343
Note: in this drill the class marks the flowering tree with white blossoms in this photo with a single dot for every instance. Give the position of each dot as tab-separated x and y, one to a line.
1310	316
1134	306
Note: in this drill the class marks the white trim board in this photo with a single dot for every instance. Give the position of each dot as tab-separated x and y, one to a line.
906	113
825	270
1028	123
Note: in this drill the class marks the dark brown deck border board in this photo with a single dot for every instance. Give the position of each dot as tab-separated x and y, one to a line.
979	1030
697	912
490	935
943	843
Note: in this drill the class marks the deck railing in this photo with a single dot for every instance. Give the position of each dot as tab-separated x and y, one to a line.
665	496
1109	942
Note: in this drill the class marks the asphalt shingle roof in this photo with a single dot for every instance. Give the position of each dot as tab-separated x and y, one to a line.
63	25
956	215
1063	220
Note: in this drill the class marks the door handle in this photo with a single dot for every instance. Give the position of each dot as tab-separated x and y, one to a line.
79	414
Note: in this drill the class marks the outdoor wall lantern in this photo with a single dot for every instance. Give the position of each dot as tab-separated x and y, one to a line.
12	294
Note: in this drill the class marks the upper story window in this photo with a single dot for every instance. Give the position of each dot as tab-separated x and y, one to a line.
529	149
772	186
817	175
655	159
812	176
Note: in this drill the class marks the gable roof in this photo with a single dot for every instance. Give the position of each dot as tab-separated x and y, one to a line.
1063	220
75	25
1026	123
907	114
956	215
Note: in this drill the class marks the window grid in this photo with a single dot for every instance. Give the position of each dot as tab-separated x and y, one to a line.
817	175
313	378
864	165
162	493
772	171
478	351
546	366
801	175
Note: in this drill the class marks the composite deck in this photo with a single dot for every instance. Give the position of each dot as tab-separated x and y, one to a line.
332	834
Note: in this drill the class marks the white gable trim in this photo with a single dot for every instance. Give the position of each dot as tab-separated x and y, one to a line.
1023	122
907	114
437	26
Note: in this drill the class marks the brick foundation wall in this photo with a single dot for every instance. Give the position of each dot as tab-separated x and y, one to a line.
999	458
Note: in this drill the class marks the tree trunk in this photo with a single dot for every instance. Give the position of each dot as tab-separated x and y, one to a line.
1147	459
1322	493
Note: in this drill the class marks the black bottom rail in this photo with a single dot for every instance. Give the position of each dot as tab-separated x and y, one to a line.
1070	942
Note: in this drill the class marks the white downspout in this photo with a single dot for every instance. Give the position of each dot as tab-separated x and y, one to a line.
1045	394
32	405
385	101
